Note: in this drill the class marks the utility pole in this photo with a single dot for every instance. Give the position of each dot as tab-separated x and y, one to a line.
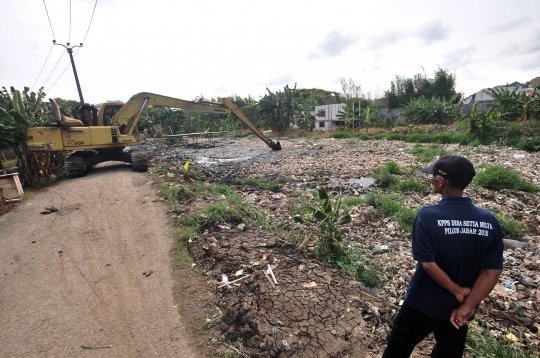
70	52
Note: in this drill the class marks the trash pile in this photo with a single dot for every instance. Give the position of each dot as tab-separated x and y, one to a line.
267	321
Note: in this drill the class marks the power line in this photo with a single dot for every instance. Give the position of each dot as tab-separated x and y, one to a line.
42	68
47	11
62	72
95	4
53	69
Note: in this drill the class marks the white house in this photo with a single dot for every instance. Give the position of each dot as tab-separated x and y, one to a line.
326	116
483	98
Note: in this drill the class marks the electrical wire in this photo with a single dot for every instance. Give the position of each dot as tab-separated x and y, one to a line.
47	11
75	54
95	4
42	67
77	51
63	53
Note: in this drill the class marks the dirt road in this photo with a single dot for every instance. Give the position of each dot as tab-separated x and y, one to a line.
94	274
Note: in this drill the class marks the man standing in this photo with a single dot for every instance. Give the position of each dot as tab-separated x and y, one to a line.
459	248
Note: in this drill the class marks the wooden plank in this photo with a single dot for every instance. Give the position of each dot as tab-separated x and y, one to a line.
11	186
18	185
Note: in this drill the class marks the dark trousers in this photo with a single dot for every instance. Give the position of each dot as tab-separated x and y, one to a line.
411	327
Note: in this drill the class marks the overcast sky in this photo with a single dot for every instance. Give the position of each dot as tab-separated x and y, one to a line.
185	49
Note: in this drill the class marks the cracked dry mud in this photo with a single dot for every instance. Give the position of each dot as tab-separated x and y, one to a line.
314	310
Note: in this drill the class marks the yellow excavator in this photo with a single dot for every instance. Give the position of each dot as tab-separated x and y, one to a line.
100	133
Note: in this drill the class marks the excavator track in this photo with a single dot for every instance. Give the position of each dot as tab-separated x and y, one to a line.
76	166
139	160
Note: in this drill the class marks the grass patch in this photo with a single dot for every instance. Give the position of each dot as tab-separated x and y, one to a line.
318	146
10	163
310	173
356	262
427	153
339	135
351	142
481	343
261	183
348	203
498	177
391	205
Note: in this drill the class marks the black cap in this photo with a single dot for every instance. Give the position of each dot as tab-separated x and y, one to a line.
455	168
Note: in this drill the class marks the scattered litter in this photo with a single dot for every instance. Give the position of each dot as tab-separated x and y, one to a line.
194	264
286	345
96	347
146	274
49	210
241	227
264	257
228	283
309	284
271	273
239	272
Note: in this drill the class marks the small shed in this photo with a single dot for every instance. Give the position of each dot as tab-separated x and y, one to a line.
10	187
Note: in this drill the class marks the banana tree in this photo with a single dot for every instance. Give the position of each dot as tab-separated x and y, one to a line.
278	109
348	114
328	219
18	112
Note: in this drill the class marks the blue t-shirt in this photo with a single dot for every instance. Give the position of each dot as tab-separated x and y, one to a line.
461	239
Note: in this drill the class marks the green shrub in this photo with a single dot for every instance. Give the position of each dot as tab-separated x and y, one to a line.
379	136
339	135
408	185
512	229
318	146
498	177
388	205
529	144
384	179
392	168
364	137
406	217
395	136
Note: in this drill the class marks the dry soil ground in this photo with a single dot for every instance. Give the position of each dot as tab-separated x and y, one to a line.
92	279
97	274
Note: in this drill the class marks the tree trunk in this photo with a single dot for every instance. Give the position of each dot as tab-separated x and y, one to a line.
36	165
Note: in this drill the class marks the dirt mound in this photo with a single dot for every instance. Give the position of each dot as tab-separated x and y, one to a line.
315	310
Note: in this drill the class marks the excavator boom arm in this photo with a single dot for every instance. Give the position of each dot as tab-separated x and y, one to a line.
128	115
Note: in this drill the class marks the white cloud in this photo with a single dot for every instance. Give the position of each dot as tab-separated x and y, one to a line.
512	25
334	44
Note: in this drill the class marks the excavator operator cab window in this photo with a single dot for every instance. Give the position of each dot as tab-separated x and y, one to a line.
109	112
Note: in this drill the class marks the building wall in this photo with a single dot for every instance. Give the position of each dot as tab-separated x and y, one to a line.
326	116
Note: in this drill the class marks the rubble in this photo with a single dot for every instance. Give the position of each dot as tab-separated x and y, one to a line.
257	303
